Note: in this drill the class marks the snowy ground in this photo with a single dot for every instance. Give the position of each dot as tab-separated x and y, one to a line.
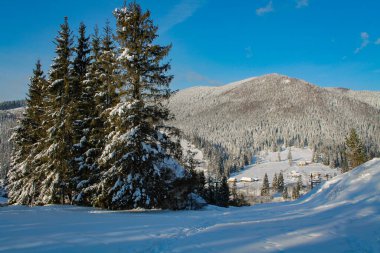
267	162
343	215
3	200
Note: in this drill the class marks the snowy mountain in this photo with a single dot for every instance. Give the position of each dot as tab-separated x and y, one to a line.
342	215
260	112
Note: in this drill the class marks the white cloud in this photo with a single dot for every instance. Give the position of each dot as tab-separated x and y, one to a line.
248	52
377	41
264	10
365	41
302	3
181	12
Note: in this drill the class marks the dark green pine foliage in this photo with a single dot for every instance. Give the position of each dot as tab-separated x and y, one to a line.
104	77
355	150
81	95
211	191
90	146
200	184
285	194
57	168
265	188
138	165
300	183
223	193
297	189
275	183
197	180
81	107
23	183
280	182
296	192
107	71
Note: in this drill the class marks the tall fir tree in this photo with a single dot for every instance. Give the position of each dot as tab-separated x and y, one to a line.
200	184
285	194
355	151
280	182
108	71
210	192
104	76
275	183
140	168
23	184
56	168
265	188
299	183
296	192
94	133
223	193
81	107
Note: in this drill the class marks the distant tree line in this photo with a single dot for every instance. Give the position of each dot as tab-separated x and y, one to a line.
7	105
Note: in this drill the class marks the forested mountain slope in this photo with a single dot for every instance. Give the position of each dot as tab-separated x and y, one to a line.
273	109
8	120
370	97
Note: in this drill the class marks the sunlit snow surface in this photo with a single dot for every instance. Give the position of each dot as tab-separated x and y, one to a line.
267	163
342	215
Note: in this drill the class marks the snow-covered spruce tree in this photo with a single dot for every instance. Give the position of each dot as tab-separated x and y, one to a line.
81	107
223	193
139	165
80	96
299	183
23	183
280	182
104	77
200	184
210	191
265	188
355	150
88	150
55	165
107	72
285	194
295	192
275	183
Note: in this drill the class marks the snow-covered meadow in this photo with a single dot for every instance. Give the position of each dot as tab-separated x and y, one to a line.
342	215
268	163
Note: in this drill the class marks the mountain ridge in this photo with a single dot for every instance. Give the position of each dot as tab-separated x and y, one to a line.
256	112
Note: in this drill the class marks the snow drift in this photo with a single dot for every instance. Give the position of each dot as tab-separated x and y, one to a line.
342	215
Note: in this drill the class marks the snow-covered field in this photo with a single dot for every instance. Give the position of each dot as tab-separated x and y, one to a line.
3	200
267	162
343	215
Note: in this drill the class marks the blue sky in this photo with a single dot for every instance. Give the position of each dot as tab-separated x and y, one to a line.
326	42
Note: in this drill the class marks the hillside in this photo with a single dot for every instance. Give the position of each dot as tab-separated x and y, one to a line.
266	111
8	120
370	97
342	215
